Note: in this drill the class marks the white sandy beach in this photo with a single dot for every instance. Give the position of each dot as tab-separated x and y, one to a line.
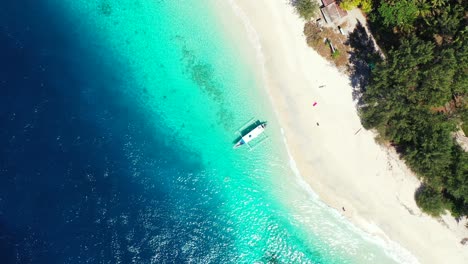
338	158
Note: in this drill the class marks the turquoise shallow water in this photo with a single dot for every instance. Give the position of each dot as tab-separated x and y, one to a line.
193	88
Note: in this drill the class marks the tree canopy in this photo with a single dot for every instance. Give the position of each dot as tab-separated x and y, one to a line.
365	5
400	13
417	97
306	8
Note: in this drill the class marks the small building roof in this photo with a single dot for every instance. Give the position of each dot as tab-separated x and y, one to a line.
332	12
327	2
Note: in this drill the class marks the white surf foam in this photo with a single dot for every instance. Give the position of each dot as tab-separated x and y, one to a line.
390	247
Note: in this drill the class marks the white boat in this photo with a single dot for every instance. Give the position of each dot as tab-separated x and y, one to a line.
251	135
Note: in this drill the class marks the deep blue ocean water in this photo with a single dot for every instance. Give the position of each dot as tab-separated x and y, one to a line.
78	166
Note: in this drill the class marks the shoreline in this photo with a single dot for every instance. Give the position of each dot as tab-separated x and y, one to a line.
345	169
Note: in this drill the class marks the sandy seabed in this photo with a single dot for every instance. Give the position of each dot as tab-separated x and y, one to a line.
338	158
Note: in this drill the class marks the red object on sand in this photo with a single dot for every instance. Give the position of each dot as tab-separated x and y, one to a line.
315	103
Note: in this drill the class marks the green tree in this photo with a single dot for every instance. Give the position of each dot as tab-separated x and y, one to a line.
417	96
448	22
460	79
306	8
365	5
430	201
428	8
429	152
437	80
393	86
400	14
458	184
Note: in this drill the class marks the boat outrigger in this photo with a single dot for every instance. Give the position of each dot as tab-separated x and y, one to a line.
251	135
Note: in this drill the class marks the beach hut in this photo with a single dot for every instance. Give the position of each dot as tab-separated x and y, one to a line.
332	12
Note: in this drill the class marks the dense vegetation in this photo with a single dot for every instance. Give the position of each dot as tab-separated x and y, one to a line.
365	5
306	8
417	96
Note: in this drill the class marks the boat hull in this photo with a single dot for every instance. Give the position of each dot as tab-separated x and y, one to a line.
254	133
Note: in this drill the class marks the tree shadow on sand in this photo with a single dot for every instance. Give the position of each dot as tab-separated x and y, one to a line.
362	59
